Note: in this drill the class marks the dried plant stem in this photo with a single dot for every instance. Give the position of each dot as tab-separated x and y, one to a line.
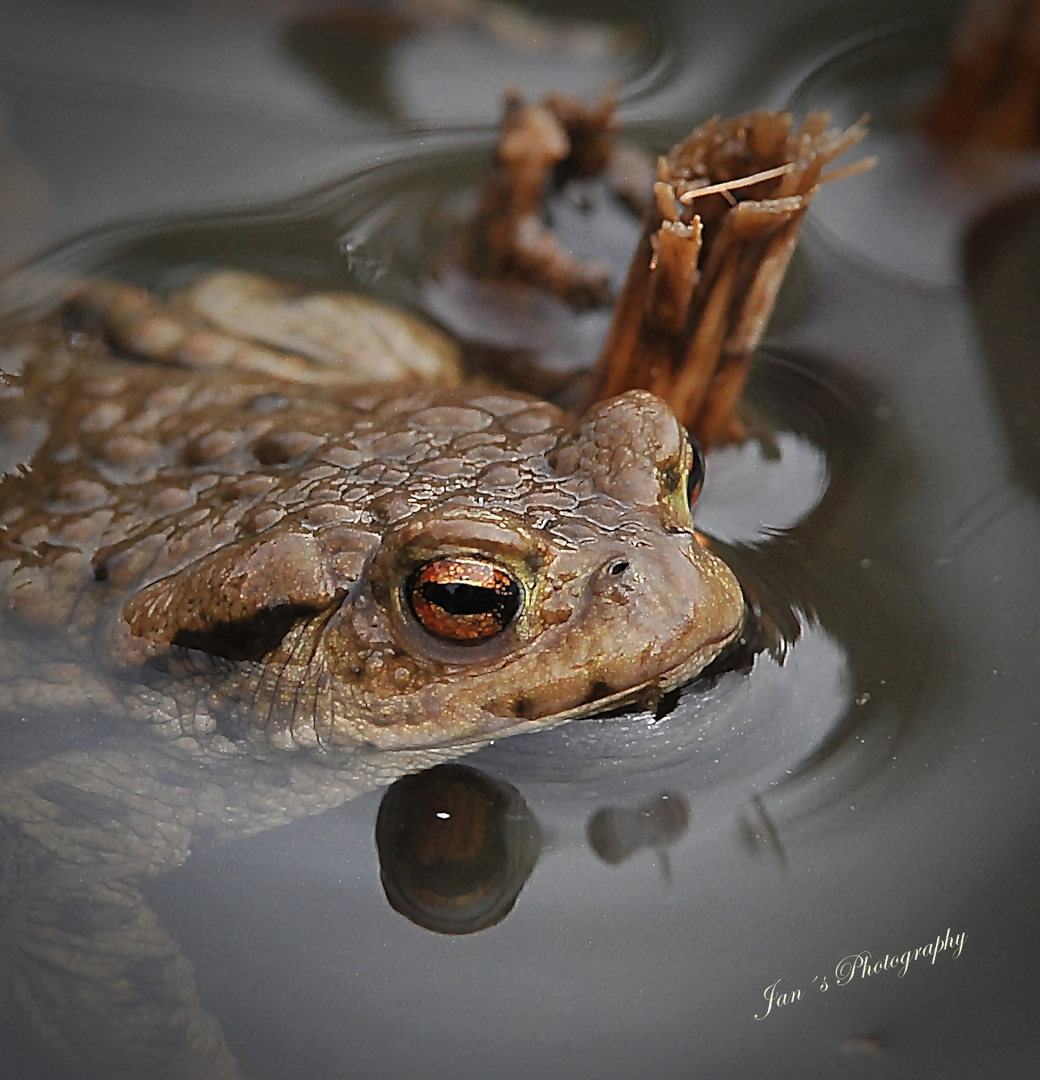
701	285
510	239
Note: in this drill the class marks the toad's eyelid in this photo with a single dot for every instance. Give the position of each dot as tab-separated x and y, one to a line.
486	534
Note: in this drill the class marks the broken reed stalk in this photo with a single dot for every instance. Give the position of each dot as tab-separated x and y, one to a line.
991	93
730	200
510	239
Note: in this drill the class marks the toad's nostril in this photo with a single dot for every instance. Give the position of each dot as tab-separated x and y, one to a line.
619	567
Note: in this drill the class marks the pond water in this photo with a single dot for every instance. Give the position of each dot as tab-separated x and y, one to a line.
708	890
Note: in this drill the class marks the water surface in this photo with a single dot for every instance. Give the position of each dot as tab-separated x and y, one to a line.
867	785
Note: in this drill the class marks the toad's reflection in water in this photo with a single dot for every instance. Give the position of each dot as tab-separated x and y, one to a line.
455	848
615	834
98	804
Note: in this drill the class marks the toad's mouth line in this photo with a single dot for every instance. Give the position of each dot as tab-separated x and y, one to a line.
673	678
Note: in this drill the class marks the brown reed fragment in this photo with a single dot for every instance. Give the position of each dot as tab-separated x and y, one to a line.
729	202
991	93
510	239
590	132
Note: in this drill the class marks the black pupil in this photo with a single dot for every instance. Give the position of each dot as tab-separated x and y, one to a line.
459	599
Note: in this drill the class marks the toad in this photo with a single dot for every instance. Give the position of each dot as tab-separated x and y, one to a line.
220	548
260	552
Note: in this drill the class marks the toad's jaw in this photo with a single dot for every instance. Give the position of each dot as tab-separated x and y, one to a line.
498	727
590	696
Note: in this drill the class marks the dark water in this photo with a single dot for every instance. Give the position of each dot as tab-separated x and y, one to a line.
870	785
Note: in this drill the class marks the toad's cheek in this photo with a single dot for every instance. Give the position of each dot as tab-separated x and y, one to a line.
646	620
656	623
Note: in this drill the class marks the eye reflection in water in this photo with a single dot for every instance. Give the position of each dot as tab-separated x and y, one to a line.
455	848
616	834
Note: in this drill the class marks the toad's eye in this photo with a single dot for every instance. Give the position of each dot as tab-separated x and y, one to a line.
463	600
695	477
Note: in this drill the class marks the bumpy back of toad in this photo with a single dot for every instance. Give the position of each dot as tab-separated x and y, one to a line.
227	555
